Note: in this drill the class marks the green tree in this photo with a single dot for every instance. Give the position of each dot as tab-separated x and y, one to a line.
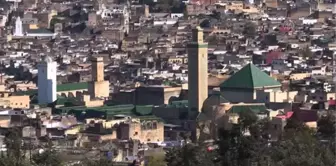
301	148
47	158
12	161
100	162
306	53
190	155
15	152
185	13
250	29
156	160
326	125
247	119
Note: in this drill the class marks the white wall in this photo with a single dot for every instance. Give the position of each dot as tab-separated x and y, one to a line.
47	82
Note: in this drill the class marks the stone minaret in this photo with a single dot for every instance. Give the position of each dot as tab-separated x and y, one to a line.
98	88
197	70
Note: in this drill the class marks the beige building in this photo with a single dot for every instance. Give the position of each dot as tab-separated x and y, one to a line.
98	88
299	76
197	70
146	131
238	6
264	96
8	101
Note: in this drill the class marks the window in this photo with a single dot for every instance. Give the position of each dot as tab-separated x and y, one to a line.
154	125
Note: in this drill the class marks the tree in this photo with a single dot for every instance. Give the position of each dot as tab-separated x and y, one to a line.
301	148
298	146
260	129
47	158
100	162
190	155
306	53
247	119
12	161
156	160
250	29
15	153
185	13
326	125
215	14
205	24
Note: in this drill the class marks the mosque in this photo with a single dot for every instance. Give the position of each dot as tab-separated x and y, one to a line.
21	32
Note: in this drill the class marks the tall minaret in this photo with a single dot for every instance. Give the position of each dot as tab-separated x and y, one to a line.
18	27
197	70
47	70
98	87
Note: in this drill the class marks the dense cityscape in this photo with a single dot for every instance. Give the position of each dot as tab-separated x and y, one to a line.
167	83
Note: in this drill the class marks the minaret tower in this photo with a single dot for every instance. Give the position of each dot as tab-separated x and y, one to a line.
197	70
18	27
47	74
98	88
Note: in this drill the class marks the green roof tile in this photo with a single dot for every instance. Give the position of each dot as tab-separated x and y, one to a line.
66	101
40	30
30	92
144	109
250	77
72	86
179	104
150	118
60	88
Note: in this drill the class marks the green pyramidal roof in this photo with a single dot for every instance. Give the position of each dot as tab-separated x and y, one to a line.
250	77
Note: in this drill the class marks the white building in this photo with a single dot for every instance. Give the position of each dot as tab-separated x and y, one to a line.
19	32
47	70
18	27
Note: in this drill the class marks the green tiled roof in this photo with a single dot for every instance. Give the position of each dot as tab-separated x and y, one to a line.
108	111
144	109
40	30
60	88
30	92
149	118
250	77
72	86
179	104
66	100
243	108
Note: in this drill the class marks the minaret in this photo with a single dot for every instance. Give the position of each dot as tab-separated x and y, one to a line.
97	69
197	70
47	70
18	27
98	87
